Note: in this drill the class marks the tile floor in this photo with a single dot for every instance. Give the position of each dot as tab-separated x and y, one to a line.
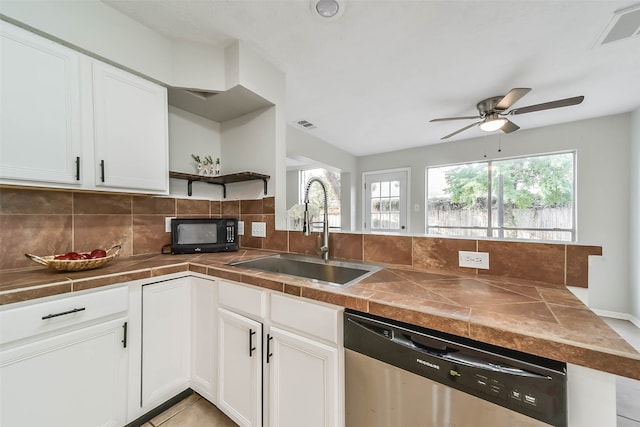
627	390
194	411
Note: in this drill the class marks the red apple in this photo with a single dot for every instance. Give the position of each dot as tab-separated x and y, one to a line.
98	253
73	255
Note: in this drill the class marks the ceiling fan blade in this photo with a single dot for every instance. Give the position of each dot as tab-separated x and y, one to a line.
549	105
509	127
512	97
454	118
460	130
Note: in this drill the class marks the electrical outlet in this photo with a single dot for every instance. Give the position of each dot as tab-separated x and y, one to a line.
473	259
167	223
259	229
240	228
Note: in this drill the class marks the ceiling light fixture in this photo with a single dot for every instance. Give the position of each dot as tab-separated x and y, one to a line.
327	8
492	122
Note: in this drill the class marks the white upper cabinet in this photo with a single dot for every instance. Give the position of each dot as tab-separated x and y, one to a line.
130	130
40	129
73	122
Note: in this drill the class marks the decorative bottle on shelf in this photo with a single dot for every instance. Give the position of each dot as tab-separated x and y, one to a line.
216	167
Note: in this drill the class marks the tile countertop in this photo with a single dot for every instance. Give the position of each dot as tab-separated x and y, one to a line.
533	317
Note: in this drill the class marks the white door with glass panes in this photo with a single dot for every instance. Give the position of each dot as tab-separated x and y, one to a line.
386	202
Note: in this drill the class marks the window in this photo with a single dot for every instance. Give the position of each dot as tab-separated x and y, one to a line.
331	181
385	201
529	198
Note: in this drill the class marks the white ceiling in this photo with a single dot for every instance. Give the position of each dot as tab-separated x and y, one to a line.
371	79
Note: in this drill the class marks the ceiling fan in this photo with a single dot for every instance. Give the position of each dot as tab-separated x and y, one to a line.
493	114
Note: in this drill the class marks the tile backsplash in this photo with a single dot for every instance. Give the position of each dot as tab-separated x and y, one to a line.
44	222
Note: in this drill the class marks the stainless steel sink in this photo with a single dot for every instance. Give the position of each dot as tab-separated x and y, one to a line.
331	272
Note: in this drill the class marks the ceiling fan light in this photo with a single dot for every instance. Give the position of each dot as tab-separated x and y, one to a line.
492	123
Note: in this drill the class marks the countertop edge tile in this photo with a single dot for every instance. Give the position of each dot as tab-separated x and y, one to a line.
34	292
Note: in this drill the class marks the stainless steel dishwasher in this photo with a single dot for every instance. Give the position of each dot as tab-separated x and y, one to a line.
400	375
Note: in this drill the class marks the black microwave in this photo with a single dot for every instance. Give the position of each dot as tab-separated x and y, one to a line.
199	235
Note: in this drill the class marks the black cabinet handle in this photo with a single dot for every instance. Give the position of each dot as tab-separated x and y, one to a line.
78	168
102	170
124	338
269	354
75	310
251	347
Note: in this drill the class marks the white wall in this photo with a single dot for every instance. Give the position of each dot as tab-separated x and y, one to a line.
603	171
192	134
306	147
248	144
293	188
635	216
247	67
103	32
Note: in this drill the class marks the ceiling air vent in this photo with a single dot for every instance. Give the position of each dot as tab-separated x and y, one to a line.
306	124
625	24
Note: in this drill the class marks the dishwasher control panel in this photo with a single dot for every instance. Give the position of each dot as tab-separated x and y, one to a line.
530	385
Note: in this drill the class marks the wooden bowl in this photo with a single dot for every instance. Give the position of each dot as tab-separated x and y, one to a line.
75	265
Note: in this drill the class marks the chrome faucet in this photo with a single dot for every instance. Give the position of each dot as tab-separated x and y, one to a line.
306	225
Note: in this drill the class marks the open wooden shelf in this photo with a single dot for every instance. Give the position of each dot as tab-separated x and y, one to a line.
221	180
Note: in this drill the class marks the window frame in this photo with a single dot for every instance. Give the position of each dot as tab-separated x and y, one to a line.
301	190
490	228
407	212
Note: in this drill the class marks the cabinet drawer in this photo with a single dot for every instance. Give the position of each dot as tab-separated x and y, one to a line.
38	318
242	299
316	320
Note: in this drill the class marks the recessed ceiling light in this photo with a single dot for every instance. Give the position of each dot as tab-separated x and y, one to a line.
327	8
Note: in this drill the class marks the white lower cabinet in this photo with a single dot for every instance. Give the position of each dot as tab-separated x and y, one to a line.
68	366
204	337
166	341
298	380
304	381
306	363
240	368
108	357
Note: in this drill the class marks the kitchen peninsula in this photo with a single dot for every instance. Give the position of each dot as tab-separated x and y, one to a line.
543	319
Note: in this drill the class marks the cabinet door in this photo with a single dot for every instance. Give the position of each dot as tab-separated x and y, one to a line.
305	382
240	368
204	335
76	379
130	130
40	133
165	340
